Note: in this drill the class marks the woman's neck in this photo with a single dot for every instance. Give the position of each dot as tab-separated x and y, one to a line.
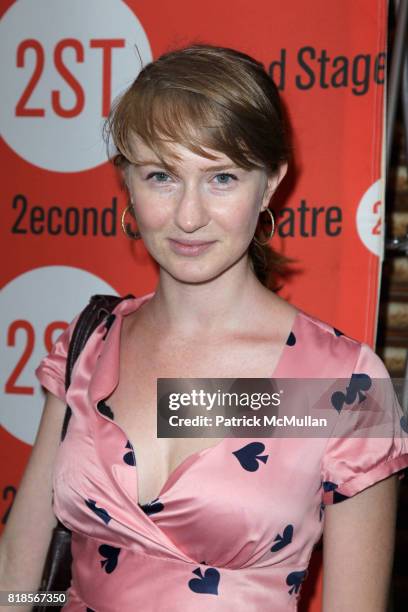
227	302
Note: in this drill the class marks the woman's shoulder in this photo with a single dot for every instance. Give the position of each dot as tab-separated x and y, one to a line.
325	329
331	350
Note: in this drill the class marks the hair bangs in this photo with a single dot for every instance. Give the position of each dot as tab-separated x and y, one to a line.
162	116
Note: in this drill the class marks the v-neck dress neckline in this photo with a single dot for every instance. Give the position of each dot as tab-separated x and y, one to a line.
125	308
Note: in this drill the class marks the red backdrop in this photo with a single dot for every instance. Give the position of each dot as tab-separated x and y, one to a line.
61	201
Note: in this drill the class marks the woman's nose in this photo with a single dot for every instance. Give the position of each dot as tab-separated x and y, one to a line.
191	213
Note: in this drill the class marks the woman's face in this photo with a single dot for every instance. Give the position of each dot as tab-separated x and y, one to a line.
210	203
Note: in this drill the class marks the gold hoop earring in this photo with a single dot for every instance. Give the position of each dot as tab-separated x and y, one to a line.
126	228
268	210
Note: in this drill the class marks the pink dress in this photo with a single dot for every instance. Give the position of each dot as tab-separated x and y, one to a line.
234	526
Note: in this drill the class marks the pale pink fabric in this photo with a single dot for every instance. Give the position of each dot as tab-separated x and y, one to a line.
218	537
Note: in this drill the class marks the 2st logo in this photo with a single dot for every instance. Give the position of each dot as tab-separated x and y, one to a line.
11	385
369	218
64	63
35	308
376	230
75	48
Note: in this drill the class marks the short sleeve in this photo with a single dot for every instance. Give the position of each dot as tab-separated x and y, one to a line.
51	369
352	463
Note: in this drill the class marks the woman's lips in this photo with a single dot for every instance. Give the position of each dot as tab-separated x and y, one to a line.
193	247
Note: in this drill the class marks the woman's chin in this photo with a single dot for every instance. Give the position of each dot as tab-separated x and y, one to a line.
195	273
199	272
192	278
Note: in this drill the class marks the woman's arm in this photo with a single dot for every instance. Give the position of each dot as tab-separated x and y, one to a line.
27	534
358	549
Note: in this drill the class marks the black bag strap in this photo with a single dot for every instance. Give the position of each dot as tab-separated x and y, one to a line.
99	307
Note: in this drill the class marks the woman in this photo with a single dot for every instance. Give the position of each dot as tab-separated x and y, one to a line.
186	524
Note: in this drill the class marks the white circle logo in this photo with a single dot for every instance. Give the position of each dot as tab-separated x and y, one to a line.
369	218
62	63
35	308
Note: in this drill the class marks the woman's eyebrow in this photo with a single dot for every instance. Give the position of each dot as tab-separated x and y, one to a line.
214	168
153	162
219	168
147	162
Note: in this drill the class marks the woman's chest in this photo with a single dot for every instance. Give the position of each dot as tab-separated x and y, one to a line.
135	407
134	403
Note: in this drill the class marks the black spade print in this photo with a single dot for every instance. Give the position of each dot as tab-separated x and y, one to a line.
329	486
207	583
111	554
294	580
332	486
103	408
321	511
101	512
284	539
291	341
338	332
129	457
338	497
358	384
152	507
108	324
404	423
249	455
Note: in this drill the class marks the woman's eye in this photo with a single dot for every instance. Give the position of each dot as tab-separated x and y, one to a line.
225	179
159	177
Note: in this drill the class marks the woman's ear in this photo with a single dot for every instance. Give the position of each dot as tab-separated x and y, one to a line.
273	183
